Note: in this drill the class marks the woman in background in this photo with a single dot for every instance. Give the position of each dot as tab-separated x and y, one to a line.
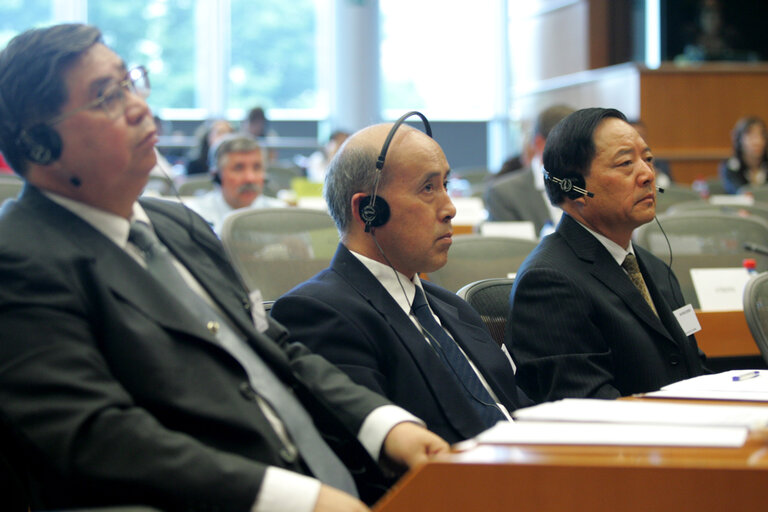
748	167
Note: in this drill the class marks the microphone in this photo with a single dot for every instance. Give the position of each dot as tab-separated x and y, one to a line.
659	189
75	181
759	249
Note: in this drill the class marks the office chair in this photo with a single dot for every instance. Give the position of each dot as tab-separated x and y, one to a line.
674	194
490	298
756	311
195	185
757	209
274	249
10	187
475	257
701	239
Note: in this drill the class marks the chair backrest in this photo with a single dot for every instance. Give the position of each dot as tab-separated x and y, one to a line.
674	194
475	257
10	187
700	239
274	249
279	177
490	298
195	186
757	209
756	310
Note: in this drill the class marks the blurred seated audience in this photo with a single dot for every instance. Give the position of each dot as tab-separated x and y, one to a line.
207	134
520	196
256	124
748	165
317	163
239	173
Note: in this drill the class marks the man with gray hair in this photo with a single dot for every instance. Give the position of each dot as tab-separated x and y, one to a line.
239	173
369	313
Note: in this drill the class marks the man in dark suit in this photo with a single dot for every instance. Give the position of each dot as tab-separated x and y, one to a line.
359	314
119	388
520	195
579	325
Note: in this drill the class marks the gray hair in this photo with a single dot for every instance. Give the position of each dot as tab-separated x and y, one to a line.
231	143
352	170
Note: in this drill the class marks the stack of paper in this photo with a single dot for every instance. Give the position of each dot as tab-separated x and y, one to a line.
745	385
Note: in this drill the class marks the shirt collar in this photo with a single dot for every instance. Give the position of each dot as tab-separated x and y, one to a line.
617	252
110	225
397	285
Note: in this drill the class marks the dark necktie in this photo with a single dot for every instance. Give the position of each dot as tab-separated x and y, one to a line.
318	456
456	361
633	270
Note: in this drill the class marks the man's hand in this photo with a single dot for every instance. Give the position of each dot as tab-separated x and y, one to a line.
331	499
410	445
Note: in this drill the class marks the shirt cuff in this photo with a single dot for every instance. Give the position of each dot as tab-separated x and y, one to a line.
286	491
378	424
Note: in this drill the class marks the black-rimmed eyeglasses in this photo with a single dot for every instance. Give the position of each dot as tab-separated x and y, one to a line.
112	99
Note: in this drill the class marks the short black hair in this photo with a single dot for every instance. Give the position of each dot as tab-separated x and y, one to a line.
32	88
571	148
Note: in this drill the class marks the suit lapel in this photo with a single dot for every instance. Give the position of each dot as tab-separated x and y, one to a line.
605	270
437	377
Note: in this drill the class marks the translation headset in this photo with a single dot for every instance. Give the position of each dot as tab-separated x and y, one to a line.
374	210
39	143
574	185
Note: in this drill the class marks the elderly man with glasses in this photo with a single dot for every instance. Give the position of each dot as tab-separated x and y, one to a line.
133	367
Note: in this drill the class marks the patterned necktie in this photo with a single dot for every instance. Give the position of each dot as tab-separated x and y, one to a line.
456	361
632	268
323	463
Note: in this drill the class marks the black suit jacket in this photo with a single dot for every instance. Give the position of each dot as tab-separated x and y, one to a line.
117	394
346	315
578	327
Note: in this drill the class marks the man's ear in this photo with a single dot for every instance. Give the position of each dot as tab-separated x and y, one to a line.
355	203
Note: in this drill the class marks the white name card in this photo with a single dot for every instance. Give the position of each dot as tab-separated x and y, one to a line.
720	289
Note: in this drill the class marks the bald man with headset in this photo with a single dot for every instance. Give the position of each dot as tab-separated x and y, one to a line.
131	367
369	313
592	314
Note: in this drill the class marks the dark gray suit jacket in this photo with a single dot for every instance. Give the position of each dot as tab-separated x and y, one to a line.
514	197
579	328
117	394
346	315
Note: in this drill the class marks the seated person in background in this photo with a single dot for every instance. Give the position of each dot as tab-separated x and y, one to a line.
238	170
520	196
317	163
124	380
256	125
207	136
579	325
749	164
367	313
663	172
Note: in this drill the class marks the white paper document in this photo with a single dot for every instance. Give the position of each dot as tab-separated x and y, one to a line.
576	433
747	385
649	412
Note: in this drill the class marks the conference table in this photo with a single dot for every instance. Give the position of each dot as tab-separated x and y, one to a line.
496	477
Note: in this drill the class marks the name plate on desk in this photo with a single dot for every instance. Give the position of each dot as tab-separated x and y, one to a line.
720	289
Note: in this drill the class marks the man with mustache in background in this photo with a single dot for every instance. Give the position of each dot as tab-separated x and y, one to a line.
238	170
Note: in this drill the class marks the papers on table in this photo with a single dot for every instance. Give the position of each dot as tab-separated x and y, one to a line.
648	412
582	433
745	385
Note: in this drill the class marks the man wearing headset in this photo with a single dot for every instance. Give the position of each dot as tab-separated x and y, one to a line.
580	326
119	387
395	222
239	174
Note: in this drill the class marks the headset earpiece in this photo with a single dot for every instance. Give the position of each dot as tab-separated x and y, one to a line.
572	185
40	144
373	214
216	177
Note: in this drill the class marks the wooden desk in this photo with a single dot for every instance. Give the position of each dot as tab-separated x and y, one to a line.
725	334
588	478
